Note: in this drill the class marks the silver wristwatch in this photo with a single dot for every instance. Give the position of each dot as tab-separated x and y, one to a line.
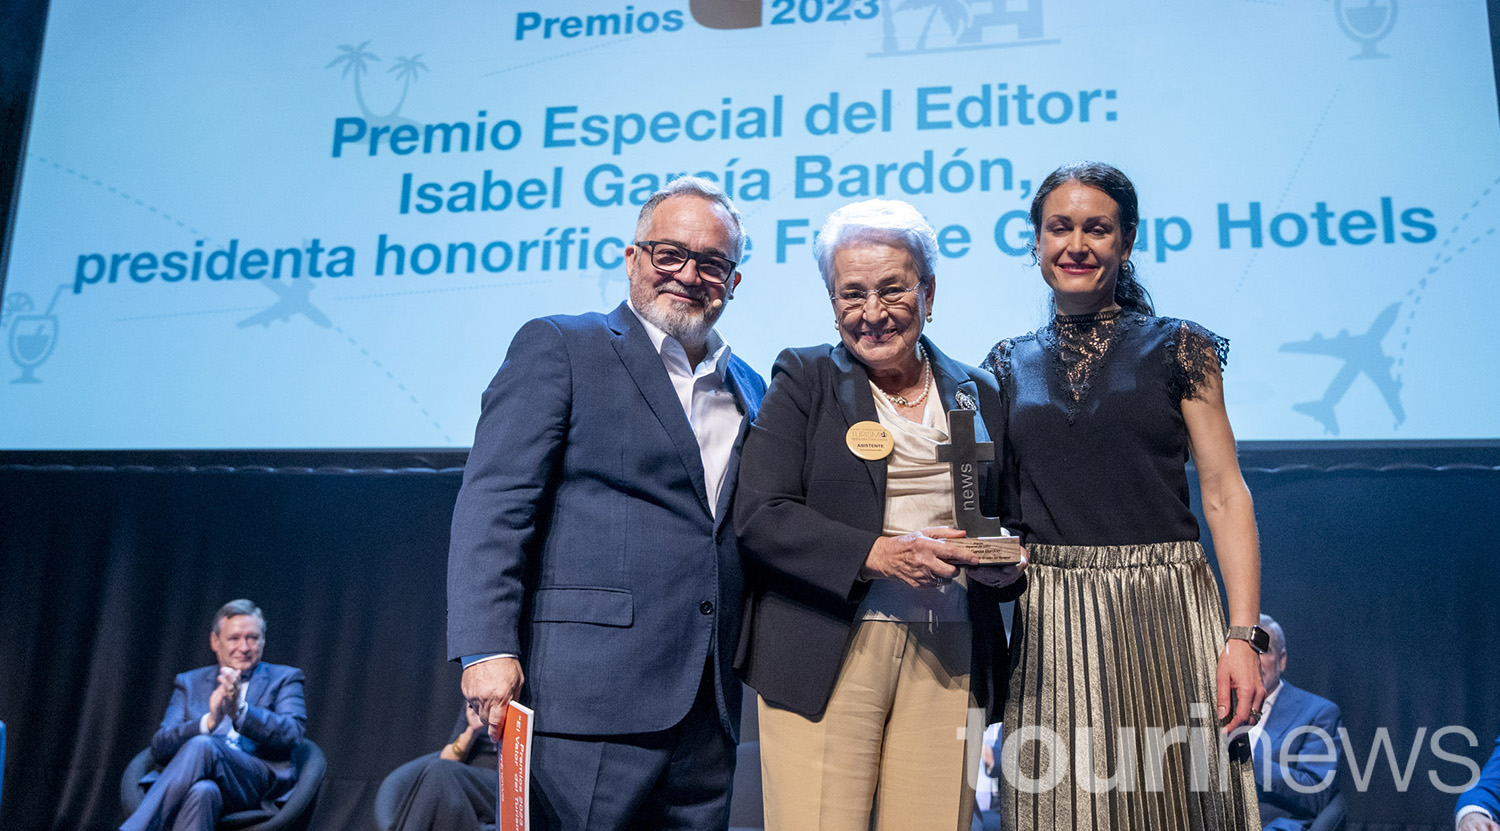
1257	637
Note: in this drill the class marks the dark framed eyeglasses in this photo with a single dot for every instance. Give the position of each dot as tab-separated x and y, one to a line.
671	257
889	296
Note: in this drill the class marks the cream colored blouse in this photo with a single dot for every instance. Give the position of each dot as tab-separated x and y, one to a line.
918	494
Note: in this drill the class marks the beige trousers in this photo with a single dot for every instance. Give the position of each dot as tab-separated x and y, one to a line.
889	752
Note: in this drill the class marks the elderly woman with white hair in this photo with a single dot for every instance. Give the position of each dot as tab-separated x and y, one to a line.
866	634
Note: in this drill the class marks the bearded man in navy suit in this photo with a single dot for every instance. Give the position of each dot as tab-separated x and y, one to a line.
1295	743
227	738
593	571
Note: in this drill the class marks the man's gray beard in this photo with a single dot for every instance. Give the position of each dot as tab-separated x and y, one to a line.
689	326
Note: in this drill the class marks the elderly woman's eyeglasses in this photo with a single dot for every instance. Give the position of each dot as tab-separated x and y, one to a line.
671	258
889	296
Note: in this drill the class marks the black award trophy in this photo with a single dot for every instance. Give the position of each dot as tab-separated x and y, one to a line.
985	538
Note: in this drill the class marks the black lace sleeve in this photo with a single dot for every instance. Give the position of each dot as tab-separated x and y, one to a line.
1195	354
998	361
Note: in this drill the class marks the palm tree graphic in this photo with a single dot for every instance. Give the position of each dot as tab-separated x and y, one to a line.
356	60
407	70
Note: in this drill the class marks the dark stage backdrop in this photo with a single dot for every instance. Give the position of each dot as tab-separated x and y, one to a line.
1383	573
108	581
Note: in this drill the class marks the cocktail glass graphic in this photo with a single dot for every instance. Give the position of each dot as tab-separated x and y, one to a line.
32	338
33	335
1366	23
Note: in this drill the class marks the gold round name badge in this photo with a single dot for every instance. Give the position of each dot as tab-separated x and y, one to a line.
868	440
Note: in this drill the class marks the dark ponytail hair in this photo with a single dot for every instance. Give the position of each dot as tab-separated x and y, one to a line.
1129	293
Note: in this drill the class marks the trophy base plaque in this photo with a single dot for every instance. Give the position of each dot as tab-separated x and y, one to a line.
992	550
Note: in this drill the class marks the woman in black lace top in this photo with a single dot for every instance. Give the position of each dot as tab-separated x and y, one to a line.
1122	669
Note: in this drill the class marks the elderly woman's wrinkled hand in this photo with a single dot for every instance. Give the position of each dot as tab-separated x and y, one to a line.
917	559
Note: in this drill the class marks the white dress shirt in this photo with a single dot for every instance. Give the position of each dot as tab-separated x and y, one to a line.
707	401
1469	809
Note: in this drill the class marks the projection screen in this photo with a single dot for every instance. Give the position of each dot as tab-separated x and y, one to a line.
306	225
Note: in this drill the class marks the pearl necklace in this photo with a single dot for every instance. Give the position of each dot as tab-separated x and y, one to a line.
900	401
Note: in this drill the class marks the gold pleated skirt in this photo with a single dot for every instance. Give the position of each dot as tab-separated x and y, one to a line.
1111	720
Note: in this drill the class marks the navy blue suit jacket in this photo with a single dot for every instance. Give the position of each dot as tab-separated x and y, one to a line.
1281	806
274	721
582	537
1485	793
808	511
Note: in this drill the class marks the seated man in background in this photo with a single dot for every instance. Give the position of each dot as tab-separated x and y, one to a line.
227	738
455	790
1479	806
1287	766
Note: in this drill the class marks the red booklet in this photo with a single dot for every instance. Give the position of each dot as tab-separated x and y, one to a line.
515	770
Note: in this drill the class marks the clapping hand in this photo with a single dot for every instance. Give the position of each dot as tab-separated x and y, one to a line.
226	696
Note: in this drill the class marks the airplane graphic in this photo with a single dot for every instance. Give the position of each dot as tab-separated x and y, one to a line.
294	300
1361	354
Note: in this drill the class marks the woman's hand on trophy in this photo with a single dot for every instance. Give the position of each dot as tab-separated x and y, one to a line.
999	575
917	559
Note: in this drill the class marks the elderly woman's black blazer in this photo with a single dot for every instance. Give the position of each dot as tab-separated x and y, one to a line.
807	511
